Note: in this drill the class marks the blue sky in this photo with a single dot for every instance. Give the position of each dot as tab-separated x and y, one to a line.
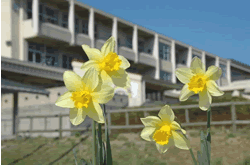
219	27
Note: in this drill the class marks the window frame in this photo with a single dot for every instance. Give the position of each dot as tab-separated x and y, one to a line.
167	55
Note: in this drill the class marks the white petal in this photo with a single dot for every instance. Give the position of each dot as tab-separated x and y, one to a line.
185	93
184	75
164	148
89	64
180	141
109	46
166	114
120	78
151	121
213	88
205	100
125	64
72	81
77	116
105	94
197	66
176	126
95	112
65	101
90	79
147	133
92	53
213	73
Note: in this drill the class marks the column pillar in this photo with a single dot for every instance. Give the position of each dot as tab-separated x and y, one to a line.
229	72
173	61
217	63
143	95
91	26
156	56
115	33
203	58
35	16
72	21
135	43
189	56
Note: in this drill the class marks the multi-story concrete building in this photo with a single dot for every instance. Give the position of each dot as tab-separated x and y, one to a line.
40	38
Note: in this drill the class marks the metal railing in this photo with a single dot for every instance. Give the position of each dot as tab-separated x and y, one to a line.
234	122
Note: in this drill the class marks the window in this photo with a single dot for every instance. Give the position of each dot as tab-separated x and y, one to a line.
194	55
67	62
76	24
51	58
51	16
16	5
224	71
129	42
166	76
96	32
85	26
164	51
47	14
65	20
141	46
41	54
29	9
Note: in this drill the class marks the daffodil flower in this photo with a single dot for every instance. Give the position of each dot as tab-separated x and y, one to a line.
108	63
164	131
84	95
196	81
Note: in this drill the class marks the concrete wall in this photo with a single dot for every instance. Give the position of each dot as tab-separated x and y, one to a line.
56	32
6	21
166	66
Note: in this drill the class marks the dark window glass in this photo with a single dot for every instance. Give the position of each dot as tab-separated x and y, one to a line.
30	56
50	60
70	60
77	25
29	9
38	58
164	51
52	16
85	26
129	42
140	46
65	60
41	14
165	76
65	20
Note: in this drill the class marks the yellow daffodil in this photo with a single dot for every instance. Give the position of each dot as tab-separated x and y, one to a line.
108	63
84	95
196	81
164	131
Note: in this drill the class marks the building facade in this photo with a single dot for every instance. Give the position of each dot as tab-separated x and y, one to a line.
47	35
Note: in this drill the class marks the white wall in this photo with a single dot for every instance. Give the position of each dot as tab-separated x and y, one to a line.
6	7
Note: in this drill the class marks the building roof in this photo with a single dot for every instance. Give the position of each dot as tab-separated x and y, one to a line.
8	86
240	63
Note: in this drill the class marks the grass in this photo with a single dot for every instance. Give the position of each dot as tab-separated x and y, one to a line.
129	149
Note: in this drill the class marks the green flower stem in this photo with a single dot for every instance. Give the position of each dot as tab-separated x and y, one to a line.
208	133
192	154
94	142
208	124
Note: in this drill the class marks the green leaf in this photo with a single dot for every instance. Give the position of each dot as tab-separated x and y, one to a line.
104	153
74	152
84	162
97	151
108	146
200	161
100	150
